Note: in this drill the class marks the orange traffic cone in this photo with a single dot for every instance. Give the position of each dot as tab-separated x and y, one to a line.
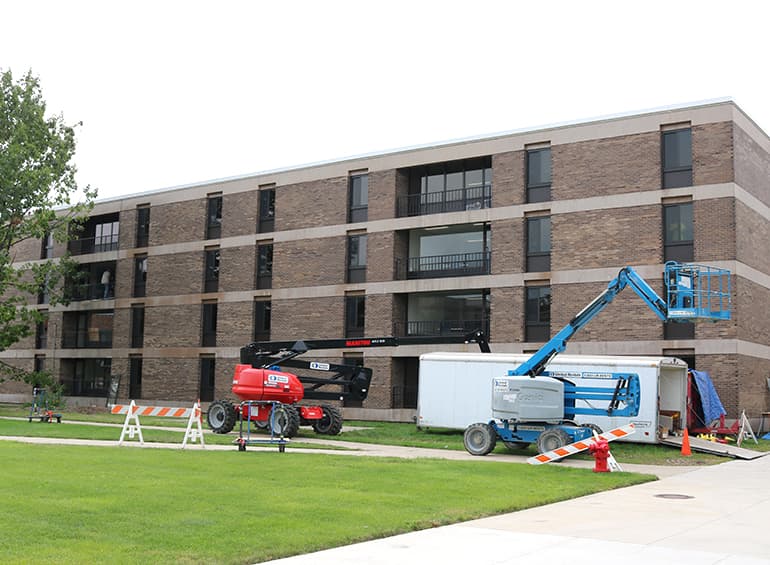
686	444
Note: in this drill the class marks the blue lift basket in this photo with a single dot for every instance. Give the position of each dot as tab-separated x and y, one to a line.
697	291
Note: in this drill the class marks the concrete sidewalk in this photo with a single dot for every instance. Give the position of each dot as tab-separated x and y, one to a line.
717	515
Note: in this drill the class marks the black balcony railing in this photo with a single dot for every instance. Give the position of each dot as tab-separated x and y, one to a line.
90	291
473	198
403	397
86	245
441	327
84	339
436	266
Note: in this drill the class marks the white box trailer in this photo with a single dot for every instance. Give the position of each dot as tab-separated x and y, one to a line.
455	389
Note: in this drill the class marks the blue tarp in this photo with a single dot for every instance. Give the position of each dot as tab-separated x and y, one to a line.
712	406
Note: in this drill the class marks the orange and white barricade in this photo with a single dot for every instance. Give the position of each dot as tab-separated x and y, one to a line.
132	427
582	445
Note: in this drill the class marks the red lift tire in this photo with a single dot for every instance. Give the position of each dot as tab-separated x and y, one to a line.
221	417
330	423
479	439
284	420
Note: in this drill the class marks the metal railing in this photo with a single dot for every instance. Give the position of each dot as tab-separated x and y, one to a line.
469	198
440	327
437	266
90	291
85	339
403	397
100	244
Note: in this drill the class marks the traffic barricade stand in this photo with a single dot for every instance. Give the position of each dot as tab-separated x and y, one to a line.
132	426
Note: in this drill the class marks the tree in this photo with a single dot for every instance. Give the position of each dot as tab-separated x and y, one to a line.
37	186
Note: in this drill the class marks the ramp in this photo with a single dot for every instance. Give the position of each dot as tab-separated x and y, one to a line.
723	449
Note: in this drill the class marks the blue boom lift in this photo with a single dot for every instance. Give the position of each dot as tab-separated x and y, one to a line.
529	406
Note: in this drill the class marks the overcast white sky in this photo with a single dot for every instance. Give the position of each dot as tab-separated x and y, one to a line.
179	92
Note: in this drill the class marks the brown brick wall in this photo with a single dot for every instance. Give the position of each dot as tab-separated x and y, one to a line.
178	222
127	239
172	326
508	246
723	370
507	315
124	278
237	268
27	250
753	392
752	236
382	194
171	379
508	178
121	328
235	324
309	262
180	273
382	382
239	213
626	318
379	314
308	318
598	238
613	165
311	204
712	153
752	166
714	229
753	321
380	256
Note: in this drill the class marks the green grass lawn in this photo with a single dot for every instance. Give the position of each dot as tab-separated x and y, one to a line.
73	504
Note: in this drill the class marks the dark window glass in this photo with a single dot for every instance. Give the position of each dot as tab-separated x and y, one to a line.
209	324
39	363
539	244
46	251
677	158
143	226
207	384
140	276
539	175
211	276
266	210
106	236
41	335
262	313
265	265
355	316
678	330
356	360
86	377
448	187
214	217
678	232
447	313
137	326
359	198
135	377
538	313
356	258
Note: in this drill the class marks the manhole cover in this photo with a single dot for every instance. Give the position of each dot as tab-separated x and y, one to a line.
674	496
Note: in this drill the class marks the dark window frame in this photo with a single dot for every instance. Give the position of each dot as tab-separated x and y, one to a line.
675	176
137	325
142	226
135	377
207	382
536	328
262	319
356	272
140	276
211	262
355	315
538	260
538	191
214	206
358	198
682	250
41	334
266	217
264	268
209	324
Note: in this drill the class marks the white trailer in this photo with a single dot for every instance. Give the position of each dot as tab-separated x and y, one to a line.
455	389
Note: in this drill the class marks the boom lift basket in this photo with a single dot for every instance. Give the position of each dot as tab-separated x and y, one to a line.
697	291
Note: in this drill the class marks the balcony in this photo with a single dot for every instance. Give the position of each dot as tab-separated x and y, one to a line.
441	327
86	245
90	338
470	198
88	284
437	266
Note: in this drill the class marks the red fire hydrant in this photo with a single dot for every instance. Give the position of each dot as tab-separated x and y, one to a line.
601	452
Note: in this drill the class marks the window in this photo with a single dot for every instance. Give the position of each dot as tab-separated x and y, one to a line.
41	334
447	313
539	175
266	220
355	315
207	383
448	251
214	215
678	232
87	329
142	226
539	244
211	274
538	313
356	258
262	313
135	377
209	324
39	363
448	187
106	236
46	251
355	360
265	265
677	157
137	325
140	275
359	198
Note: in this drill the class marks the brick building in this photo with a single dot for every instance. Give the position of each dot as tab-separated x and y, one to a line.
513	233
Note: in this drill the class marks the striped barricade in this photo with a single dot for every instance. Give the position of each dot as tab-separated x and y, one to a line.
132	427
582	445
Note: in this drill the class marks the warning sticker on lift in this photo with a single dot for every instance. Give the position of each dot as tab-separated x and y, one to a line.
501	384
319	366
277	378
581	375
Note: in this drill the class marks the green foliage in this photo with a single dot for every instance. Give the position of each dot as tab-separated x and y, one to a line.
127	505
37	185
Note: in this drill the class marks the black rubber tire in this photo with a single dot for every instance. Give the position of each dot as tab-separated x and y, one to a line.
330	423
592	427
552	438
516	445
261	424
284	420
221	417
479	439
